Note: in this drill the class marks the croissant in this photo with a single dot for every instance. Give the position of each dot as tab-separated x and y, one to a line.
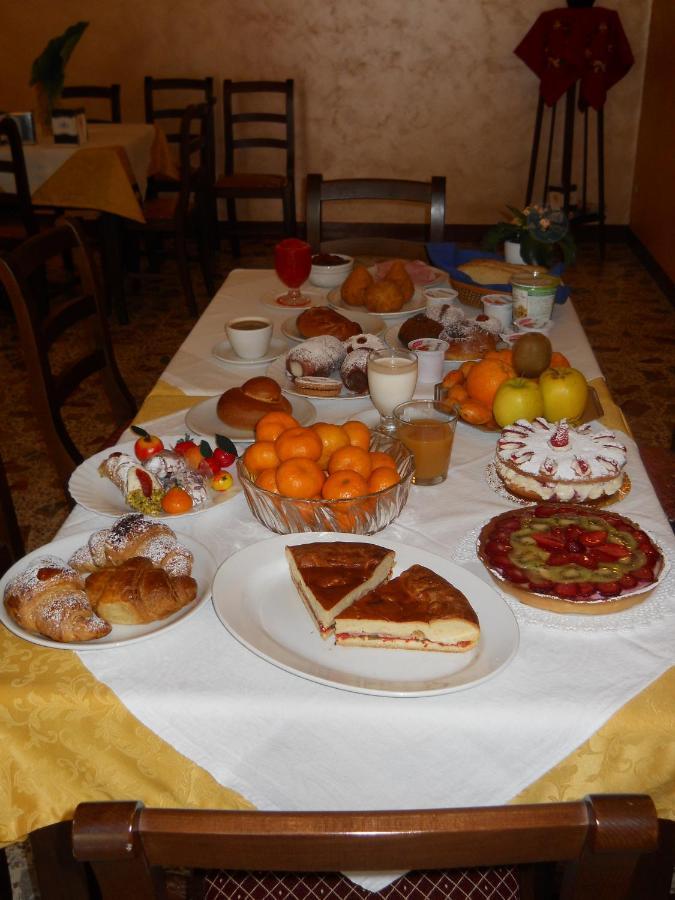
137	591
132	535
48	599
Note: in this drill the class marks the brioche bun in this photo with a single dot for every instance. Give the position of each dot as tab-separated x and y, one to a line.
243	407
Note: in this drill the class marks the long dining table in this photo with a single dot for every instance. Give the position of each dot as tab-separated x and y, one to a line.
194	716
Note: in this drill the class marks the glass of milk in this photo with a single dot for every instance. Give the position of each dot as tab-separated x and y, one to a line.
392	377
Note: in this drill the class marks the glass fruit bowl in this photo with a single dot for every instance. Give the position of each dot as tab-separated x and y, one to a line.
362	515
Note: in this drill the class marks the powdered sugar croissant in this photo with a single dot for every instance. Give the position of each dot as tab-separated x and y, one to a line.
138	592
132	535
48	598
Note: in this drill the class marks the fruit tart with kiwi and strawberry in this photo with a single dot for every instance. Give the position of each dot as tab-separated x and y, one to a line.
567	558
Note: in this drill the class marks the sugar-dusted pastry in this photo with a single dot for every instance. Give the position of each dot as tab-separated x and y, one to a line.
48	598
171	469
132	535
142	490
138	591
364	342
318	357
543	460
354	371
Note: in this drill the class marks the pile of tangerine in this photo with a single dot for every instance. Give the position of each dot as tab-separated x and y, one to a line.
320	462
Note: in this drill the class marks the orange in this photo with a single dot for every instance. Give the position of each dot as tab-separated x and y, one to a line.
299	478
267	480
505	355
484	379
298	443
456	376
344	485
379	459
358	434
356	459
467	366
176	500
457	394
193	457
332	437
382	478
475	413
559	361
272	424
260	455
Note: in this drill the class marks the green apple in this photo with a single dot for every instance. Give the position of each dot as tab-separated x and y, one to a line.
565	392
517	398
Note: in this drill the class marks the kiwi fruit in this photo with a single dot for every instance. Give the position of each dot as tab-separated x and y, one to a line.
532	355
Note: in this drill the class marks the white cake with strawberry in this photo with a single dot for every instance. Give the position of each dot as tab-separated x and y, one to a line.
543	460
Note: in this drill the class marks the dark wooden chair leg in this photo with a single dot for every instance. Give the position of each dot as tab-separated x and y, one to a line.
205	245
113	266
184	273
601	182
535	151
60	876
232	220
5	881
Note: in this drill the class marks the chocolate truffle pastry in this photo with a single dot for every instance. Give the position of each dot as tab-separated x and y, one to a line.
354	371
418	610
419	326
330	576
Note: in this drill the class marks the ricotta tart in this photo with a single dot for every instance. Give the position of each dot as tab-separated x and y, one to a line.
543	460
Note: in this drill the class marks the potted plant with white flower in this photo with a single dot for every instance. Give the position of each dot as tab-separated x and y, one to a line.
534	235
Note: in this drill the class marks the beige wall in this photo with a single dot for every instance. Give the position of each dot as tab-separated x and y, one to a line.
406	88
654	184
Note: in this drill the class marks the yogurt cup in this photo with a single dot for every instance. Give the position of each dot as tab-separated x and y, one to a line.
438	297
534	296
430	358
500	307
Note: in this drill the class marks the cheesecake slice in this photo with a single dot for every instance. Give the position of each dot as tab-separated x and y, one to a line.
330	576
418	610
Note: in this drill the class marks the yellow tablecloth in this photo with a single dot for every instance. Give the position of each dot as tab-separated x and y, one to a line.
101	178
69	739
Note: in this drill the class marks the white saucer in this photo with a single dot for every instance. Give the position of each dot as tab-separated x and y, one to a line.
224	353
203	419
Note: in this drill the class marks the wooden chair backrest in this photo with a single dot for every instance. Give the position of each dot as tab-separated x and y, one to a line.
431	193
16	205
97	92
600	840
11	542
232	119
196	176
42	321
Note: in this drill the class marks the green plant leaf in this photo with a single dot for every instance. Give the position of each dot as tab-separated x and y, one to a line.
205	449
226	444
49	69
141	432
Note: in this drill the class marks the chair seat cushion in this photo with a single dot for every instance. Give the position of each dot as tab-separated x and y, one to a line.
247	181
499	883
159	209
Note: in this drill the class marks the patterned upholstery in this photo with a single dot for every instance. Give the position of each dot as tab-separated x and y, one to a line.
499	883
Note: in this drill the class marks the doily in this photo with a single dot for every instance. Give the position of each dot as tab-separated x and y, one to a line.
656	607
500	488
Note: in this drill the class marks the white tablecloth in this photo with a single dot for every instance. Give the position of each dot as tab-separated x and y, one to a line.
288	743
43	159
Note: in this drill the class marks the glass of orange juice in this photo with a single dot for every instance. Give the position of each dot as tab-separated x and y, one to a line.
427	428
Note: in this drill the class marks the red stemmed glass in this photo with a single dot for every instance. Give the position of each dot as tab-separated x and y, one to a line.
293	263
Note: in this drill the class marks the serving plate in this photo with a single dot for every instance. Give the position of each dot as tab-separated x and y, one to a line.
369	324
224	353
203	571
277	371
416	304
203	419
100	495
256	601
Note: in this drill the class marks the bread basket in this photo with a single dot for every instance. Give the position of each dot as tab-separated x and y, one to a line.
472	294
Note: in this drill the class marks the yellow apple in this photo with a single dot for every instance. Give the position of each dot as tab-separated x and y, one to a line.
565	392
517	398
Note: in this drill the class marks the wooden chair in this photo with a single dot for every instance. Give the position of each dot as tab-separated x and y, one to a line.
431	193
173	216
11	542
599	840
17	215
97	92
200	90
22	275
250	128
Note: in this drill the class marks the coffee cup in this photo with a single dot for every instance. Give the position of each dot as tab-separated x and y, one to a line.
249	336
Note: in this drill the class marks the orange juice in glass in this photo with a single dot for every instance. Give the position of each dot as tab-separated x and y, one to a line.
428	430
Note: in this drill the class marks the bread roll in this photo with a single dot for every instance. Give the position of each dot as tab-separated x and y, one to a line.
48	598
138	592
495	271
243	407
